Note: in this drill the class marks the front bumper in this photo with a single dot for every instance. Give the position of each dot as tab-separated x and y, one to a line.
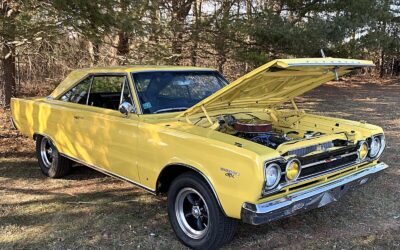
305	200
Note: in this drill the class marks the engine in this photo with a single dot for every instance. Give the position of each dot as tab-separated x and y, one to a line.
259	131
271	139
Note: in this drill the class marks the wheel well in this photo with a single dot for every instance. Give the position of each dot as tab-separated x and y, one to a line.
168	174
35	136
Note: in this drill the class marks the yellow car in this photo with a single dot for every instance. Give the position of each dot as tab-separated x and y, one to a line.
221	152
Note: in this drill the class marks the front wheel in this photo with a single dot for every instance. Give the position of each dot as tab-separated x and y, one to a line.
195	215
50	161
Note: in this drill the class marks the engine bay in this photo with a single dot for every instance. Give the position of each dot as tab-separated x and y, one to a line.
260	131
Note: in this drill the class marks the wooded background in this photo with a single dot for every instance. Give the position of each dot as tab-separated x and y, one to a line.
42	41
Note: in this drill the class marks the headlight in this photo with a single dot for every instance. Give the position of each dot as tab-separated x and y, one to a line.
272	175
363	151
293	169
375	146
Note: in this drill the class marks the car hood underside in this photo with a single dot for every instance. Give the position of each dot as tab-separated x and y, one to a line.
277	82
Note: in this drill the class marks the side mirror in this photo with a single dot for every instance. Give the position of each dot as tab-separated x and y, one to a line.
125	108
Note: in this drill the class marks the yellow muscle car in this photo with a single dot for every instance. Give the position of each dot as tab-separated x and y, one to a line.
221	152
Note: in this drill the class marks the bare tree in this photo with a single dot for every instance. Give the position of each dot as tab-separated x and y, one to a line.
8	11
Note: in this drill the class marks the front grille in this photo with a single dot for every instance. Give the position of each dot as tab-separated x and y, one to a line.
304	151
326	166
320	163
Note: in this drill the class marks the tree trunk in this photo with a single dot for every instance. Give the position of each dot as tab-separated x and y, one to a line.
221	60
221	40
382	66
94	52
123	44
180	10
155	21
7	77
396	67
195	31
8	10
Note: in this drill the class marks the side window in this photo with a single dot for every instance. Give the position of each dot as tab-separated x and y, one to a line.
107	84
79	93
106	91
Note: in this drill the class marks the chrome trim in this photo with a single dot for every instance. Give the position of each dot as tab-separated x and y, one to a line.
172	70
92	75
46	152
133	90
310	177
332	170
196	212
152	191
89	90
293	142
290	199
315	175
373	139
383	146
273	160
278	178
330	160
306	147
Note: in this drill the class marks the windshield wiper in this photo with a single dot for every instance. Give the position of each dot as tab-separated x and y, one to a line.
170	109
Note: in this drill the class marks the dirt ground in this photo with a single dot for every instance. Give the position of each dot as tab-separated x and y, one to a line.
89	210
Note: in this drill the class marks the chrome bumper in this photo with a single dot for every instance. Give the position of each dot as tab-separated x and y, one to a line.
305	200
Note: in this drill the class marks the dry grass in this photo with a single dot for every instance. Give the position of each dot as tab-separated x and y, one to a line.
90	210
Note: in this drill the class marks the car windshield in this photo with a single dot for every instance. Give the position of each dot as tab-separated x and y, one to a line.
174	91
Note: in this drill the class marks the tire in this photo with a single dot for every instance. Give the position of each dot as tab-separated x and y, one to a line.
190	200
50	161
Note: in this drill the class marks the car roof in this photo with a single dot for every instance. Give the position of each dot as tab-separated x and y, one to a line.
141	68
79	74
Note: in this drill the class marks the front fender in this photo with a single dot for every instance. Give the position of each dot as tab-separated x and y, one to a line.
235	173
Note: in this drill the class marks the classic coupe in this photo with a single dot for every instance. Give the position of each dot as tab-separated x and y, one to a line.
221	152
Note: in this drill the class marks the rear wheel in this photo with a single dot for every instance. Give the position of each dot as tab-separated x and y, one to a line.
50	161
195	215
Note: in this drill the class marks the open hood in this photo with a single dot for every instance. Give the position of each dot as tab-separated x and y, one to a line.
277	82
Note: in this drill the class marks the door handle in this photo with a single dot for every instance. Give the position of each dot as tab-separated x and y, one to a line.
77	117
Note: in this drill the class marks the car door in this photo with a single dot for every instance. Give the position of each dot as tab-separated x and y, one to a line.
104	138
67	110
